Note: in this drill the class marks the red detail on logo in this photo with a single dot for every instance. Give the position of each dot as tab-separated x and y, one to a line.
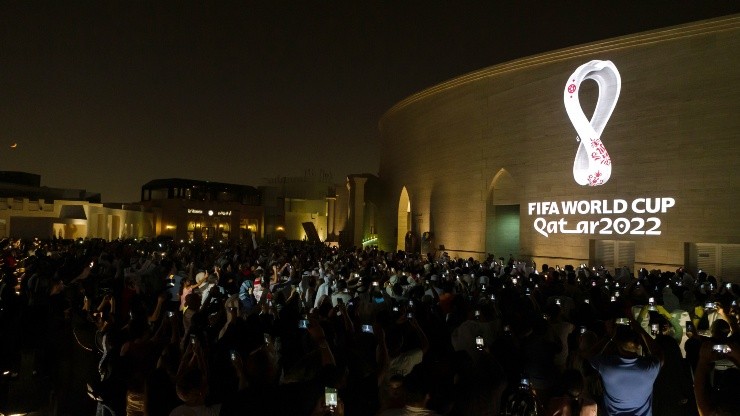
595	179
600	154
572	88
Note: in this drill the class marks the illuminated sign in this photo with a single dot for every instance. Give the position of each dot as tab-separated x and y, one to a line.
632	222
592	165
210	212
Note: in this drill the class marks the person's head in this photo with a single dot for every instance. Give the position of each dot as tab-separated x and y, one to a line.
627	341
232	304
417	386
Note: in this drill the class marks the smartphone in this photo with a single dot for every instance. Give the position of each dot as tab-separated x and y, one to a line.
557	302
623	321
477	313
192	339
722	348
654	328
303	324
651	301
411	303
690	327
493	297
587	300
614	299
170	314
368	329
233	355
729	285
479	344
395	309
330	397
710	305
410	315
375	284
583	330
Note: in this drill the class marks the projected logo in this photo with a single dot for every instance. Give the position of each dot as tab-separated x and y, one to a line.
592	165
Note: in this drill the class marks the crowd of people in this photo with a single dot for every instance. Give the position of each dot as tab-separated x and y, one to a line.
294	328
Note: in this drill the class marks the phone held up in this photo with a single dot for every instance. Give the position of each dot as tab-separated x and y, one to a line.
331	399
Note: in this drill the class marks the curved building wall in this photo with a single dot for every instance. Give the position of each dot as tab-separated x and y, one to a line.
470	150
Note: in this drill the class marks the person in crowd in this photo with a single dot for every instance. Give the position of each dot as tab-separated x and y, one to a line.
627	375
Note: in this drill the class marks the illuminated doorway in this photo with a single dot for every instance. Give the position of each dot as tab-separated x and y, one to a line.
502	231
502	217
404	219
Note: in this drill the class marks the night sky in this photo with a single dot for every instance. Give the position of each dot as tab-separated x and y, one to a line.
106	96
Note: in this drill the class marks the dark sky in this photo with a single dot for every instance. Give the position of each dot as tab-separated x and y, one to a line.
106	96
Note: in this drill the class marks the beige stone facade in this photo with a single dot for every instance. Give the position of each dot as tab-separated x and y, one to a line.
25	218
473	151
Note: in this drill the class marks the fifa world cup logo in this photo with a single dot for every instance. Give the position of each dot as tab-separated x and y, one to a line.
592	165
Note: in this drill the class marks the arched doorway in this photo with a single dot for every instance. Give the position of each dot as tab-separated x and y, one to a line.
404	219
502	216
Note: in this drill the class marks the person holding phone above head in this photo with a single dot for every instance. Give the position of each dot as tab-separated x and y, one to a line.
628	376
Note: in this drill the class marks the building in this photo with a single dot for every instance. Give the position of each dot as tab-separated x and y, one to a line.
29	210
186	209
622	152
297	206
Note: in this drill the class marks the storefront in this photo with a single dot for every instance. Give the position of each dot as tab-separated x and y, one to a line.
198	210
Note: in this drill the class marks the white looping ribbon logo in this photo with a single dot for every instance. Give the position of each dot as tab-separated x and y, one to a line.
592	165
